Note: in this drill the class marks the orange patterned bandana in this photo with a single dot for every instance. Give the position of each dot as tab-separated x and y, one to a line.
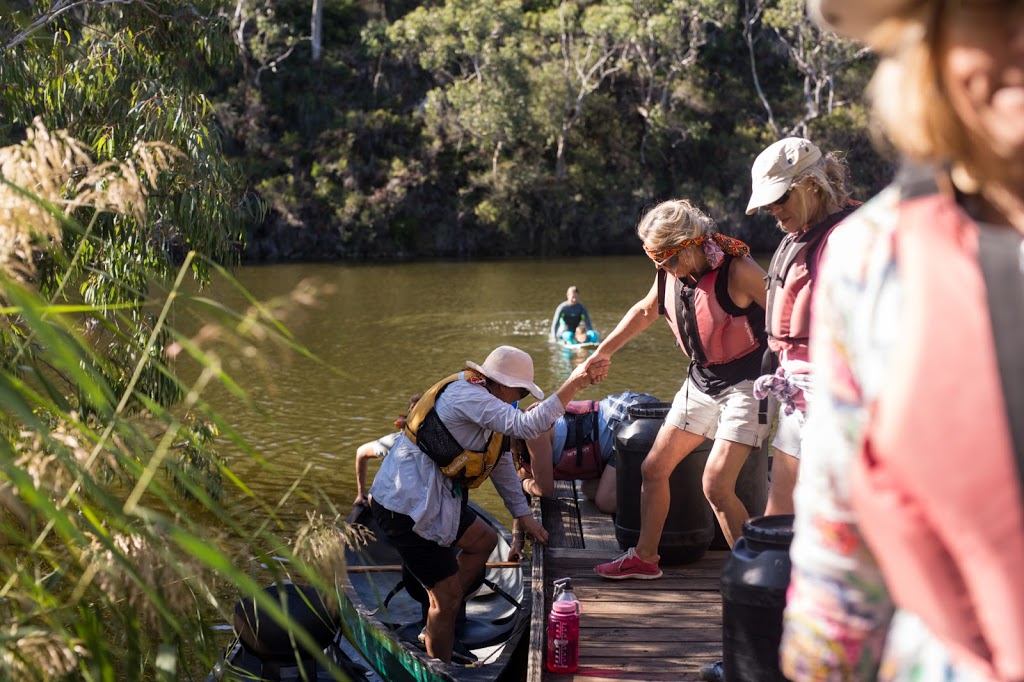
733	247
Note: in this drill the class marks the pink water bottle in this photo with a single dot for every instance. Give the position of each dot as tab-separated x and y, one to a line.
564	629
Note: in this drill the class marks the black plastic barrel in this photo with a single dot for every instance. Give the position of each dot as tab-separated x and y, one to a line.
751	488
690	525
754	582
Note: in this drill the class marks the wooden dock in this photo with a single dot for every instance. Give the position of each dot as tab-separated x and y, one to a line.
643	630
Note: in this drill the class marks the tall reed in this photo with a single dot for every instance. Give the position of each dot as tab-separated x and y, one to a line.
123	542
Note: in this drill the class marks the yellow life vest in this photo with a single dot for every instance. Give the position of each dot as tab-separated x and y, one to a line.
424	428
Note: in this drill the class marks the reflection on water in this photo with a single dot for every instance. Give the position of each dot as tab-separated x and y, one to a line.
388	331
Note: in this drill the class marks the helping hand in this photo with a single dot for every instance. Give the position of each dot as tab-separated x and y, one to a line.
597	366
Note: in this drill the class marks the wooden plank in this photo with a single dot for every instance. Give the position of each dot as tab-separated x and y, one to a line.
590	650
535	657
598	528
669	634
642	630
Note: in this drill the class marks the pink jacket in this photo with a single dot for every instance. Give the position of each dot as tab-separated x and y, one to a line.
935	487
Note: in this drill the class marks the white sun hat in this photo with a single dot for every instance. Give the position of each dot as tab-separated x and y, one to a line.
776	167
509	366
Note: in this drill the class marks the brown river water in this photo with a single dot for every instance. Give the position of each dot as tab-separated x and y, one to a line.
384	332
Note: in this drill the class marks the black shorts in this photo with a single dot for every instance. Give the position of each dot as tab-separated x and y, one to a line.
428	561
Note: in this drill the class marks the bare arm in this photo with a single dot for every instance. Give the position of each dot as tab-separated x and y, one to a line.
542	482
747	283
636	320
364	453
581	377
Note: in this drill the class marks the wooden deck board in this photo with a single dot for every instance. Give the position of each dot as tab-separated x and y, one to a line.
651	630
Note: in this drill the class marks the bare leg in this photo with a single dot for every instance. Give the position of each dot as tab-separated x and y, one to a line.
445	599
784	475
476	544
605	498
719	481
670	447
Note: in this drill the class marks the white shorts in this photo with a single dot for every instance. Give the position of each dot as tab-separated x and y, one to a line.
789	433
730	415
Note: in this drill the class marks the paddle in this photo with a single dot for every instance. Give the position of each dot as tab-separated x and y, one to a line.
398	567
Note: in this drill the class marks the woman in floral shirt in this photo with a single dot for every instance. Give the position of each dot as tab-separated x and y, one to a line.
909	528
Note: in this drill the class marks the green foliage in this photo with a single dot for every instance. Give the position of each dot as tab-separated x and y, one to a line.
525	127
122	527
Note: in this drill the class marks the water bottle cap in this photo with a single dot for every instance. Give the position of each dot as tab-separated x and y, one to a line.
564	607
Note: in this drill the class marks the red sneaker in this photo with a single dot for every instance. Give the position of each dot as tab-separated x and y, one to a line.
629	565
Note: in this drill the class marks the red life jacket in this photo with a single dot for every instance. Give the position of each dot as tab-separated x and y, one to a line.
934	486
581	453
790	278
697	315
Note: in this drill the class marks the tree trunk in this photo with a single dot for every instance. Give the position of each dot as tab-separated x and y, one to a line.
317	29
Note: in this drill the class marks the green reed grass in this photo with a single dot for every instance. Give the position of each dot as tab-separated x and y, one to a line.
120	541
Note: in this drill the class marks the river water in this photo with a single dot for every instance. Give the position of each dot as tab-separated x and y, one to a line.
384	332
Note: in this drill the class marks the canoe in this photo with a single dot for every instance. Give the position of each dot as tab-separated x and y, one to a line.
262	650
383	621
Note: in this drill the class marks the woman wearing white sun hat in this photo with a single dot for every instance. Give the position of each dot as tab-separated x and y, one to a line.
451	442
806	192
909	536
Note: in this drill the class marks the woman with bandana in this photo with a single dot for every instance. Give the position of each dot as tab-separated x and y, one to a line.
712	294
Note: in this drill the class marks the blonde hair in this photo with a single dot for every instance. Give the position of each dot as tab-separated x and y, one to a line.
908	98
826	180
672	222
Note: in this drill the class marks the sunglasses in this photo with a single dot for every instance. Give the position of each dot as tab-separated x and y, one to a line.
668	263
783	199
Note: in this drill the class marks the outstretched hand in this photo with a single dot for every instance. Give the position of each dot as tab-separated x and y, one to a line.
596	366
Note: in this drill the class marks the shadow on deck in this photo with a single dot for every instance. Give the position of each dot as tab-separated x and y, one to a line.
643	630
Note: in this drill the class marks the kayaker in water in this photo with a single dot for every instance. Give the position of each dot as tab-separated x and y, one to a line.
569	314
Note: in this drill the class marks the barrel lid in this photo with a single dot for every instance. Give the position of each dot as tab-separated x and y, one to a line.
649	410
776	529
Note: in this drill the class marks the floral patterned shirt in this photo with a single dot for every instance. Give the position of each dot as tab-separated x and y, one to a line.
840	622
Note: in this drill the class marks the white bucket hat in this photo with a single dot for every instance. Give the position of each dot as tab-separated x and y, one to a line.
776	167
509	366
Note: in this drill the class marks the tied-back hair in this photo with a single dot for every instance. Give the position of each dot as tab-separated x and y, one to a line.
828	176
672	222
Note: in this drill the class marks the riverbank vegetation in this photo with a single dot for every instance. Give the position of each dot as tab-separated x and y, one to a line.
543	128
367	129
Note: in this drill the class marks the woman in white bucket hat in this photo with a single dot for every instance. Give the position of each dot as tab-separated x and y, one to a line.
806	192
452	441
909	532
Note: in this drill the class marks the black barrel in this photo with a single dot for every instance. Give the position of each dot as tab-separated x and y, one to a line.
751	488
690	525
754	582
